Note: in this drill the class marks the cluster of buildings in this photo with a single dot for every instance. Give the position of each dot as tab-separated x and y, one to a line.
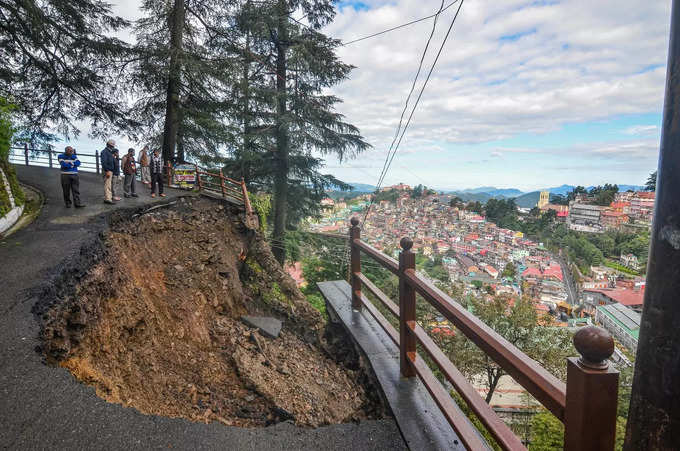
472	249
627	208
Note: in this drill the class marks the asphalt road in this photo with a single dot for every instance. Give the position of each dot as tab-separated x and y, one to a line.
43	407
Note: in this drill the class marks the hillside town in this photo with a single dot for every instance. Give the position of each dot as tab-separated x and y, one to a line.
477	253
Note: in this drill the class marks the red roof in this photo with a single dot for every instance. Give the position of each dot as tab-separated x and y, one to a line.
622	296
554	271
531	271
562	214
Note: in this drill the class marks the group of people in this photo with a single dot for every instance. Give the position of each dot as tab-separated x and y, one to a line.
151	171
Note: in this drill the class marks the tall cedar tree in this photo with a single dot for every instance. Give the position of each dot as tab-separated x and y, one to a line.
182	77
286	138
59	65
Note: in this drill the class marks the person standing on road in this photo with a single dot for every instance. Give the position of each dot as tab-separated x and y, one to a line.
156	173
129	173
108	166
70	184
144	163
115	184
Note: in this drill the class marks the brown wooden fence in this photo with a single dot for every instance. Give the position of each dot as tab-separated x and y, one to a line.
586	404
210	182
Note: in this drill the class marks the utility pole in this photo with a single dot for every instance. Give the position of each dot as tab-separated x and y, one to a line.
654	416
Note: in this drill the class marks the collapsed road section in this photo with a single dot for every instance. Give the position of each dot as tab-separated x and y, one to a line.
152	316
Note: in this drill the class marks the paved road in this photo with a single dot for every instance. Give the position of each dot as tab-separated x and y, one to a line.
44	407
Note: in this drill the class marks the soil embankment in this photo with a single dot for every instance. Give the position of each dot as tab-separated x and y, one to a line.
151	319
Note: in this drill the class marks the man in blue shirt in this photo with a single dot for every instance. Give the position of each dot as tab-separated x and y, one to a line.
70	184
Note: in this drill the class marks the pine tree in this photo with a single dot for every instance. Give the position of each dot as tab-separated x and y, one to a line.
287	135
182	77
60	65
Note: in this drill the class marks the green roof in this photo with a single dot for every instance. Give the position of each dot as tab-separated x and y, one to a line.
628	319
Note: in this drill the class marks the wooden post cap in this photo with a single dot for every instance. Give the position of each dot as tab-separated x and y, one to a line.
354	221
595	345
406	243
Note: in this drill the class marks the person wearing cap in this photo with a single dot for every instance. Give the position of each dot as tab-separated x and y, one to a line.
70	184
129	173
108	166
156	173
143	160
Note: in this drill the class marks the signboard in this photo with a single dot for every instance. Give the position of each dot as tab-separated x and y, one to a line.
185	175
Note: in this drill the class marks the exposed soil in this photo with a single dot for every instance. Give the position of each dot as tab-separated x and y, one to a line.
150	316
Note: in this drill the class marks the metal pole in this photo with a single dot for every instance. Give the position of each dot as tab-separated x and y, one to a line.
49	155
654	416
96	160
26	152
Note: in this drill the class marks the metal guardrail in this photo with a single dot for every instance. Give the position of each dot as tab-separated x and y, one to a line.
586	404
215	183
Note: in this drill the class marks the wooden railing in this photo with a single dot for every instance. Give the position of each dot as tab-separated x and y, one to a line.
211	182
586	404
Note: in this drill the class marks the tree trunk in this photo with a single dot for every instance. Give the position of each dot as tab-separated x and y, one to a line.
281	158
245	164
494	375
176	25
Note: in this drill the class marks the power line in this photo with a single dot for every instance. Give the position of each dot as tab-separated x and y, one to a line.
422	89
381	178
388	160
399	26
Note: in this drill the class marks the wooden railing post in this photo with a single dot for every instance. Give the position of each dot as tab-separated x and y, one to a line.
198	178
49	155
26	153
246	199
224	189
96	160
355	263
407	310
592	389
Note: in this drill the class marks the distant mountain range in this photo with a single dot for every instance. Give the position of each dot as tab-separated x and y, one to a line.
484	193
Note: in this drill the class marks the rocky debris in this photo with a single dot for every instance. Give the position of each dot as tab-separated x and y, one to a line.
155	324
268	326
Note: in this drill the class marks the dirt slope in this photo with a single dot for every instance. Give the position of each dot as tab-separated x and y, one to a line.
154	324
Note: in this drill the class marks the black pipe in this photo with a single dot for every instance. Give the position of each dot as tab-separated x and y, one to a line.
654	416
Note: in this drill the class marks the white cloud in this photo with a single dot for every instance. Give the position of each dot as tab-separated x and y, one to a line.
642	130
573	61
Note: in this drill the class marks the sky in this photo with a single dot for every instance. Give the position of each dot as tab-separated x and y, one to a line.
526	94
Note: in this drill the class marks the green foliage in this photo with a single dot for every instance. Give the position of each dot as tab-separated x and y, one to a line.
650	184
318	303
60	65
604	195
510	270
547	433
620	267
6	133
456	202
477	284
262	205
435	269
475	206
6	128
